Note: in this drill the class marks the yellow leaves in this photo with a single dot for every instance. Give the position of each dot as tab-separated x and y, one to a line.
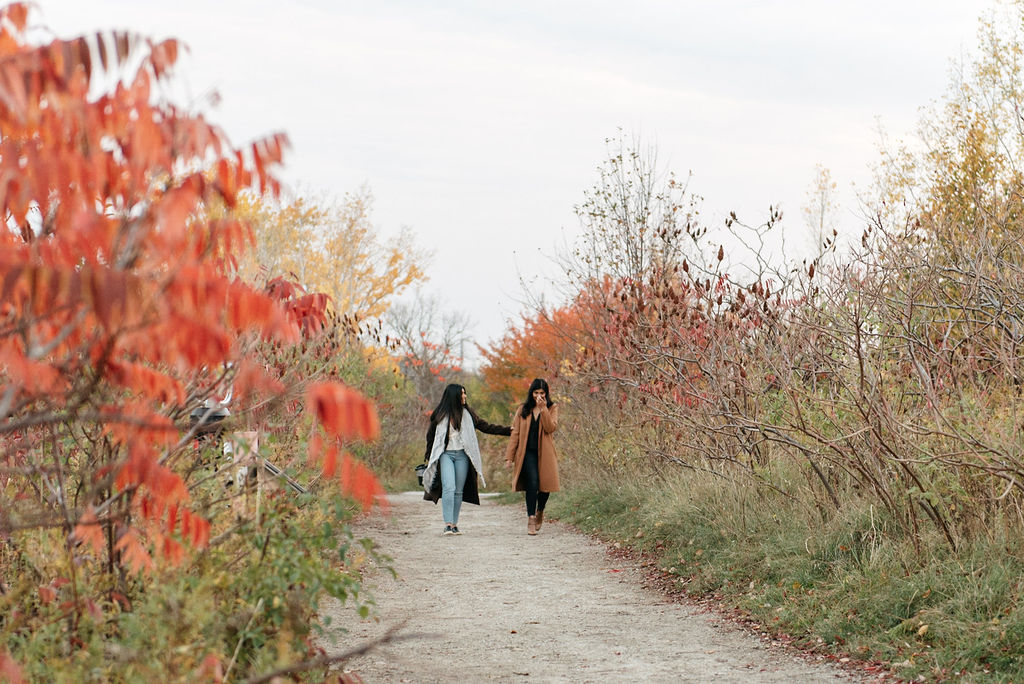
331	248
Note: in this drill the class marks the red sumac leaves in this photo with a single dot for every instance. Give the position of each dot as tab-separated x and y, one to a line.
343	412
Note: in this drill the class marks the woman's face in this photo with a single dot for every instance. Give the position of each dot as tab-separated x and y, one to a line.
463	397
540	397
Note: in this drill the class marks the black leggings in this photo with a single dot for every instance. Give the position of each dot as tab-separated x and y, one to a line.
530	479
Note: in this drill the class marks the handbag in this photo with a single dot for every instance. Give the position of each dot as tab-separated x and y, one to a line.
419	472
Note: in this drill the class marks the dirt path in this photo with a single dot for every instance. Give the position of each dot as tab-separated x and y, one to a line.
497	605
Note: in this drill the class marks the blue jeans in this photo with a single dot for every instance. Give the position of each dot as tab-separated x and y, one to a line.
454	467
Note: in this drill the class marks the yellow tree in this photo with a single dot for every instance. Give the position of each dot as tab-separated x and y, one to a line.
333	248
362	272
951	226
282	231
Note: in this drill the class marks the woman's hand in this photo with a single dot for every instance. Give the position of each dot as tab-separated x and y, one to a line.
508	464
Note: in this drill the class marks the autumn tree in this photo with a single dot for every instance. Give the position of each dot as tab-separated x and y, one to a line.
335	248
118	316
546	344
948	217
282	233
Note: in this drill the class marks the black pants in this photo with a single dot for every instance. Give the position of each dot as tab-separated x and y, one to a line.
530	479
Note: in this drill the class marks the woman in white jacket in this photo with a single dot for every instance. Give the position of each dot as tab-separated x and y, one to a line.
452	452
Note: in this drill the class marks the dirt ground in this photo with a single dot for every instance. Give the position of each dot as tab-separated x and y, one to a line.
497	605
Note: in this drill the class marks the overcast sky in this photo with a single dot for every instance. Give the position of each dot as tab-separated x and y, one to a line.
480	124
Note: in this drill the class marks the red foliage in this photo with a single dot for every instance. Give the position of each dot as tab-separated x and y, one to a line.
307	311
345	415
540	348
114	291
10	671
343	412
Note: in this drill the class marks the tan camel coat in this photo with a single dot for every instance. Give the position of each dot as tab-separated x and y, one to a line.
547	459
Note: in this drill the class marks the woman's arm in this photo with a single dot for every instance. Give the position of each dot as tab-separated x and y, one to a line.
549	418
430	440
513	440
491	429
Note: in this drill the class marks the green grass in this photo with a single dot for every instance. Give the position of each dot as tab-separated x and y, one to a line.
847	584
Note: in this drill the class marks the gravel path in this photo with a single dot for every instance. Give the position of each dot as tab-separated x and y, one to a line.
497	605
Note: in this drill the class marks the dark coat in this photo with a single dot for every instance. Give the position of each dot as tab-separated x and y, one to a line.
470	491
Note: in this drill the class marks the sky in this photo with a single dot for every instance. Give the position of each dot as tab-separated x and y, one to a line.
480	125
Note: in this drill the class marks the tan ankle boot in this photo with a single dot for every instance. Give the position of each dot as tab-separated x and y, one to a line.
540	519
531	525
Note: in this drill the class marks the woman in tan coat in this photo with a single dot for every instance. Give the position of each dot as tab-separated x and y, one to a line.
531	452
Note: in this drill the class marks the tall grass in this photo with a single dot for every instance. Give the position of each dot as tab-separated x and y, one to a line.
846	583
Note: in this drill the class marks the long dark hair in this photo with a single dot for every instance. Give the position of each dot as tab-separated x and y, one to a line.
450	406
538	383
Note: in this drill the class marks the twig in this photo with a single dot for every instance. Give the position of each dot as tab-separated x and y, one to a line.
325	660
241	638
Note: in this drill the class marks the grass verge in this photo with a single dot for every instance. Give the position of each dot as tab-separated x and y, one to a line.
845	585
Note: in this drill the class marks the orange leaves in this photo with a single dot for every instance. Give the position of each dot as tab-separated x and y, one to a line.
154	488
107	292
253	380
137	426
47	594
264	153
357	479
70	56
229	180
539	348
89	531
343	412
161	522
172	551
163	56
133	553
31	74
185	341
283	289
10	671
308	312
31	377
147	382
142	469
194	528
247	308
15	14
113	288
353	476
